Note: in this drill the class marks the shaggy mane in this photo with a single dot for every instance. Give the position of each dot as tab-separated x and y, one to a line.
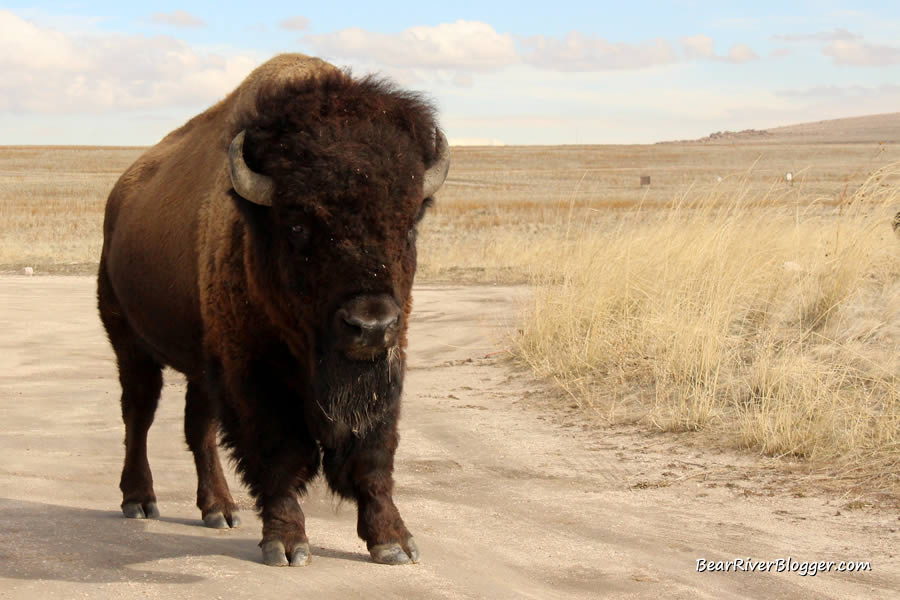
318	121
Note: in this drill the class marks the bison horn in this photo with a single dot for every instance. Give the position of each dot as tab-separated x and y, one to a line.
255	187
437	173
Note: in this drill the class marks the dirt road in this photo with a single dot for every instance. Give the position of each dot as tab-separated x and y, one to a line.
506	499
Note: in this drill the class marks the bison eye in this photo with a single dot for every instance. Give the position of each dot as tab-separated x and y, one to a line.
411	235
299	234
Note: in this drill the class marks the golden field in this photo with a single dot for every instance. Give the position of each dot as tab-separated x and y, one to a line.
496	203
718	299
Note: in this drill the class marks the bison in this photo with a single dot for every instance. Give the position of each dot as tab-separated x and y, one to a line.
266	249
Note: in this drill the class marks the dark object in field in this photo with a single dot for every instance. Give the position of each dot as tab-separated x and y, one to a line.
645	180
267	249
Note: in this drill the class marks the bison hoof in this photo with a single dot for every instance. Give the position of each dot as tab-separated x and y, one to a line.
218	520
136	510
395	554
300	556
274	554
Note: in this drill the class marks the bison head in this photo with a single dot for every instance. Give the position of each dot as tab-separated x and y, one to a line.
331	183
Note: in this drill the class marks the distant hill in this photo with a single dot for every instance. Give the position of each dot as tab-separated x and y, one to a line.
870	128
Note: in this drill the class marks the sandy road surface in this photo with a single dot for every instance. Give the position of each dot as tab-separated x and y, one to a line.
505	500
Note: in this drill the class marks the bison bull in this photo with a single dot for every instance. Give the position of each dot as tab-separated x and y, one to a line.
267	249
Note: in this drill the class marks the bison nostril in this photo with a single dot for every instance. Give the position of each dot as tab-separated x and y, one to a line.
367	331
369	324
361	323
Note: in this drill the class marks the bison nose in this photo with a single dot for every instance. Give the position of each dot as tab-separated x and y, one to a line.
368	323
375	325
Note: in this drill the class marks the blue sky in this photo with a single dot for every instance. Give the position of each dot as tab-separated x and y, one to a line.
500	72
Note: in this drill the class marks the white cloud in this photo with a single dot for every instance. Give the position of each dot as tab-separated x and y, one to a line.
741	53
578	52
466	47
178	18
702	47
469	45
48	71
294	23
858	53
475	46
848	48
24	46
698	46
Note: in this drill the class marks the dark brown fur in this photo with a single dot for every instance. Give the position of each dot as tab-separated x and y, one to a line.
225	291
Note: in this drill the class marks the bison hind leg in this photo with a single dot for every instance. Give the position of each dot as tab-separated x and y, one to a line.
141	378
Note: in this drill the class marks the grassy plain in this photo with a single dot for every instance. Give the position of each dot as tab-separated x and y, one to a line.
717	299
764	314
51	205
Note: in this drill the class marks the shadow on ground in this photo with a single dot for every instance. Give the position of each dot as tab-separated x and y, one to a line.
51	542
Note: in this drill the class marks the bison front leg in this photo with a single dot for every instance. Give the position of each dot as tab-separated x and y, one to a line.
284	541
361	469
276	476
273	450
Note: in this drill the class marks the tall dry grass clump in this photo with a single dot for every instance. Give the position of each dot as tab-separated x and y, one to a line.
764	316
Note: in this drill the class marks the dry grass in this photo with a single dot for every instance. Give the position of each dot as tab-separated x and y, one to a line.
502	208
497	208
762	314
51	205
768	318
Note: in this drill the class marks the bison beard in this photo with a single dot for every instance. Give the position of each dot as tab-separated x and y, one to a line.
356	394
